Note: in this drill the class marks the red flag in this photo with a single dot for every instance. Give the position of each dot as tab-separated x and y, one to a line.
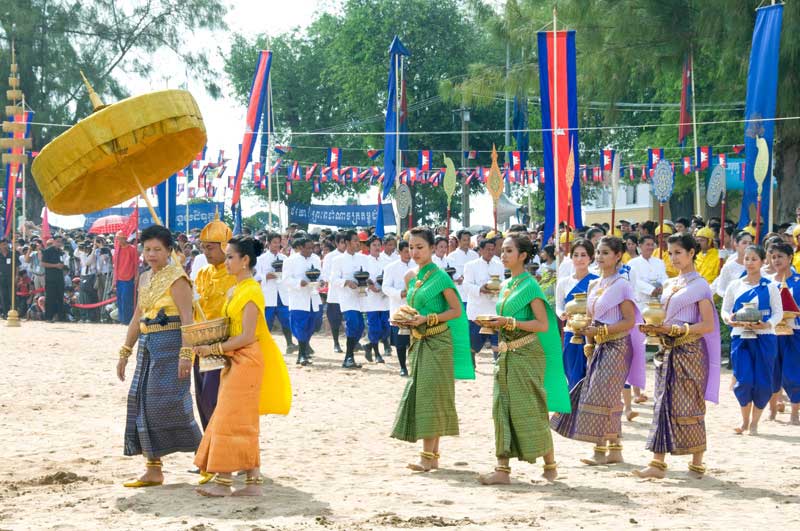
45	226
723	160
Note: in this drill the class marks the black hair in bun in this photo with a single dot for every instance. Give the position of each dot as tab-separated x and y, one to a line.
247	246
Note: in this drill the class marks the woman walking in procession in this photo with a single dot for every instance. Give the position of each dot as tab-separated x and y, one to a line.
439	353
687	367
617	355
160	418
582	254
254	382
753	359
529	376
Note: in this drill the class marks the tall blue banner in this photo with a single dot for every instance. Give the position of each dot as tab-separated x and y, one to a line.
391	127
167	193
200	215
759	112
345	216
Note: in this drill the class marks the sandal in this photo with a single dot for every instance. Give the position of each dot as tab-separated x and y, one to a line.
205	477
136	484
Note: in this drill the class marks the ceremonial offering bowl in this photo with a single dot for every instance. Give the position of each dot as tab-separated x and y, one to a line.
313	276
485	321
450	270
507	273
748	313
277	267
379	280
494	284
784	328
207	333
578	319
401	319
654	315
361	277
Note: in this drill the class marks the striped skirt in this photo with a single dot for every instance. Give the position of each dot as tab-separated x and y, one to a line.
428	406
519	407
160	419
596	400
679	426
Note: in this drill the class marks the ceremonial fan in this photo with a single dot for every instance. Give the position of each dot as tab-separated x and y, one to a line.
716	191
450	187
570	181
663	183
614	190
759	174
494	183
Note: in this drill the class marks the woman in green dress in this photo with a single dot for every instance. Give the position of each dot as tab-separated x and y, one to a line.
529	374
439	353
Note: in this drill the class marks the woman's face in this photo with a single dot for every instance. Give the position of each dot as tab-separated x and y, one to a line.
606	258
420	249
752	262
780	261
743	244
441	248
680	257
581	258
234	262
630	247
511	257
155	253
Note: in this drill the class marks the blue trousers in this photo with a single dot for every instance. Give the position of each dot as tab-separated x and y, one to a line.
353	324
574	361
302	324
378	326
282	311
786	374
753	362
125	301
478	340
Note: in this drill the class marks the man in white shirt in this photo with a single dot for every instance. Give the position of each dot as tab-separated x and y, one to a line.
394	286
376	304
440	252
649	272
276	294
459	258
350	300
332	308
481	301
88	273
304	301
389	253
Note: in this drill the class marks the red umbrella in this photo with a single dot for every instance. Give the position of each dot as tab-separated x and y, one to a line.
108	224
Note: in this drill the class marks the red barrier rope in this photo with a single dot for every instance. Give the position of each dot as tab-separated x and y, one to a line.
94	305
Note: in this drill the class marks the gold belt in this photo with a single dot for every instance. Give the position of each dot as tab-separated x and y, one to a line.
153	328
611	337
680	340
430	331
505	346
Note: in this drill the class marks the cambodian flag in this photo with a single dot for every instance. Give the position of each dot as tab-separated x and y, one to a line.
282	150
374	153
258	91
425	157
317	187
631	175
703	157
653	156
723	160
412	175
687	165
334	159
607	158
310	172
288	187
471	155
559	126
516	161
275	167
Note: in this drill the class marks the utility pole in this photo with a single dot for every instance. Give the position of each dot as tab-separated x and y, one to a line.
465	117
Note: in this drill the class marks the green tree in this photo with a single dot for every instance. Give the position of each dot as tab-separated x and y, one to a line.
55	39
331	78
633	51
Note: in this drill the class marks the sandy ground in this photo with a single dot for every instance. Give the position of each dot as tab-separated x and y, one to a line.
331	465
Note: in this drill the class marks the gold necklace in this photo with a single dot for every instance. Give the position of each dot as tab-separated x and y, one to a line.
511	287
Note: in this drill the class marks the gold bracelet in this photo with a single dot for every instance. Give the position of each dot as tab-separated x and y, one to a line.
125	351
216	349
433	319
511	323
185	353
686	329
674	330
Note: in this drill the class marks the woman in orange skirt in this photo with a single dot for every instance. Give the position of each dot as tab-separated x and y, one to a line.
254	382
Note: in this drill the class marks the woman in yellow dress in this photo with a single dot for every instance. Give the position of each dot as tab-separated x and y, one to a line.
160	418
254	382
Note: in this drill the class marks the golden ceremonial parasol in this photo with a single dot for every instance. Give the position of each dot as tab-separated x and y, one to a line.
449	186
494	183
119	151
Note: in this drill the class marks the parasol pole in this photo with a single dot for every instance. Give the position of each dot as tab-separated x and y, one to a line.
269	151
143	193
555	132
186	225
694	136
24	194
722	221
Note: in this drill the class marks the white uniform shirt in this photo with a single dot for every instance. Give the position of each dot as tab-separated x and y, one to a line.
375	301
458	259
730	272
649	275
394	284
441	262
270	287
327	265
736	288
302	298
389	258
344	267
198	263
565	268
476	274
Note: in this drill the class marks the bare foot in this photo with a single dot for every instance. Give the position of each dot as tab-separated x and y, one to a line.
597	459
641	399
742	429
249	490
781	407
498	477
630	414
550	475
694	475
772	414
795	419
614	456
213	490
650	472
424	465
754	429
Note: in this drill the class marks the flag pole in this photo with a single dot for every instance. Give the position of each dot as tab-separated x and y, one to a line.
24	194
186	225
554	125
697	204
398	69
269	151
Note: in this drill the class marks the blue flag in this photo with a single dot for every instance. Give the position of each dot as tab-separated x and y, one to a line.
396	51
759	113
167	193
